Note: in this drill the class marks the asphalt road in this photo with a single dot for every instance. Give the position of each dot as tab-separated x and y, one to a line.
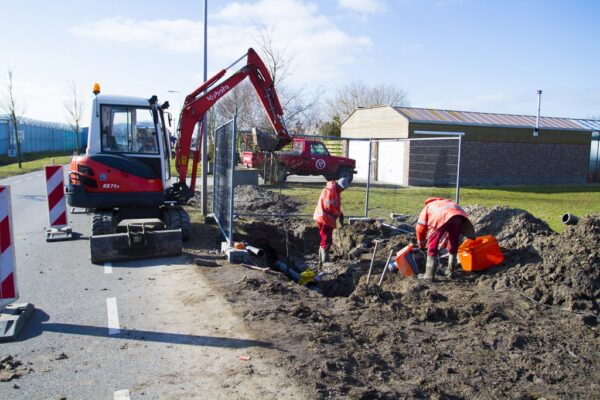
142	329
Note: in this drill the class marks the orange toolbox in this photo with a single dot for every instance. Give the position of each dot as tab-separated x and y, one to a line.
405	261
480	253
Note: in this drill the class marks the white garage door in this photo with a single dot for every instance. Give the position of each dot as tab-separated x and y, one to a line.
359	151
390	167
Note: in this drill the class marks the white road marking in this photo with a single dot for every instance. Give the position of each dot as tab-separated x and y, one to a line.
108	268
122	395
113	316
15	182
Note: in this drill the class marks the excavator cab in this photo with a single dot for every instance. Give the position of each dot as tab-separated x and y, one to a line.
123	177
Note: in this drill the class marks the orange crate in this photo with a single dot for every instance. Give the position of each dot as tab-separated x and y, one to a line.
480	253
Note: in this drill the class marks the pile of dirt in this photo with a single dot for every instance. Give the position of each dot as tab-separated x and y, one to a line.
252	199
565	271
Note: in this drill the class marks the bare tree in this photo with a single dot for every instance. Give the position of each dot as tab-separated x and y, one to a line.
75	107
9	106
242	100
356	94
296	103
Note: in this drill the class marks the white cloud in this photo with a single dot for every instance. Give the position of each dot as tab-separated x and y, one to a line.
39	101
174	35
319	48
363	6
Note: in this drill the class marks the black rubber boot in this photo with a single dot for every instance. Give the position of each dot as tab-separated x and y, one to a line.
430	268
451	265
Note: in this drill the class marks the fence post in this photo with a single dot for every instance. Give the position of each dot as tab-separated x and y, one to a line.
457	199
368	180
231	179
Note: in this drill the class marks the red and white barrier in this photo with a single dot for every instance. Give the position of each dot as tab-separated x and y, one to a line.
9	292
57	204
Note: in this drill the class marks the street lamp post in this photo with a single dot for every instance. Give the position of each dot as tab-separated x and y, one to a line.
204	205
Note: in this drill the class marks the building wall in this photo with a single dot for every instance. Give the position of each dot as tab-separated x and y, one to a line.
37	136
377	122
490	155
509	156
506	163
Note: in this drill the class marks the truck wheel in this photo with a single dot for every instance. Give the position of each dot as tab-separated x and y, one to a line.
177	218
345	173
102	223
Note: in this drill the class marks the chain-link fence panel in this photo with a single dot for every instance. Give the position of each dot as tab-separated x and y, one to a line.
290	180
386	176
225	159
405	172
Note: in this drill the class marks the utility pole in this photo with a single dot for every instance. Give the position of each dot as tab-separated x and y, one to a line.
536	130
204	206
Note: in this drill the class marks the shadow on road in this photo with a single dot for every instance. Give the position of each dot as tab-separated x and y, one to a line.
37	325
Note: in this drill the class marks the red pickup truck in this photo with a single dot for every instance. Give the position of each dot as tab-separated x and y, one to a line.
306	157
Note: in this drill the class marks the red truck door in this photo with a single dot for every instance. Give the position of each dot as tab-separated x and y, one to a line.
320	159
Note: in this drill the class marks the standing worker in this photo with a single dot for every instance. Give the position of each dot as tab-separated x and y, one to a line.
328	210
440	216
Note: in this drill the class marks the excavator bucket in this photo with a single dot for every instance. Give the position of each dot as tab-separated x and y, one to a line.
135	244
265	141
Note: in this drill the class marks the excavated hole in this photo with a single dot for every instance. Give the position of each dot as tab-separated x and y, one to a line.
296	243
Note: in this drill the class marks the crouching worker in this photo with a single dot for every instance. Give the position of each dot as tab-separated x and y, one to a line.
440	216
328	210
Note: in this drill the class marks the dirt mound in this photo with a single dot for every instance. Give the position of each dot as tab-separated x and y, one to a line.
250	199
513	228
567	273
254	199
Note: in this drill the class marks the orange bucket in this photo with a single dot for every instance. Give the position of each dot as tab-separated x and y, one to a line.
480	253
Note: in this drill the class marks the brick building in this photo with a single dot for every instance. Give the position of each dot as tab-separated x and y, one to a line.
497	149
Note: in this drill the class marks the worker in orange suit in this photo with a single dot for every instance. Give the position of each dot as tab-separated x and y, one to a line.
329	210
438	217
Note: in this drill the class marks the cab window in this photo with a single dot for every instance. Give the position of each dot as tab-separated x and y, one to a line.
128	129
318	149
298	147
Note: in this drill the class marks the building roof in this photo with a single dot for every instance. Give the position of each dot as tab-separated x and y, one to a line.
429	115
35	122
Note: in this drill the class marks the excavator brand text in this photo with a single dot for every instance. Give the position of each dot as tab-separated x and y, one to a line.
218	93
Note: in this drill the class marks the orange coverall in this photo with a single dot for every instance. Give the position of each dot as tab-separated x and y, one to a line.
328	210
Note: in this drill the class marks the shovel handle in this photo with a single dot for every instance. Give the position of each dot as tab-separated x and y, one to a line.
372	260
385	267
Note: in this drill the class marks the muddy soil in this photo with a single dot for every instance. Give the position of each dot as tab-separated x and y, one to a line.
526	329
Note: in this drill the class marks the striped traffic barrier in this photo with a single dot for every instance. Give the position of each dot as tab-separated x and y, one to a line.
8	278
57	204
12	316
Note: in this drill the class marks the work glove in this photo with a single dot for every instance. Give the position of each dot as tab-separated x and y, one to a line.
341	217
423	245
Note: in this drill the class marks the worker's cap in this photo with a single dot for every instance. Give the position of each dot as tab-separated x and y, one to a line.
343	182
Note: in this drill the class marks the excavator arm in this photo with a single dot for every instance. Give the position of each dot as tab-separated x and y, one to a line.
198	102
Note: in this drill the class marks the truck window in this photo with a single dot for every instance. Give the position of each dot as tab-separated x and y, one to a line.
128	130
318	149
298	147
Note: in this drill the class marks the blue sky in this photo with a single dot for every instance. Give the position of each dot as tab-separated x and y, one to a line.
467	55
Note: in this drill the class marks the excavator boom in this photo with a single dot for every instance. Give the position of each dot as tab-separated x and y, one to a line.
205	96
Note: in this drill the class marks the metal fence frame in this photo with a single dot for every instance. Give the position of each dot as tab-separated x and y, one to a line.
437	136
223	177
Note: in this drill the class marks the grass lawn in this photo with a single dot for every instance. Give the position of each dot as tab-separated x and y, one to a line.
545	202
31	162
